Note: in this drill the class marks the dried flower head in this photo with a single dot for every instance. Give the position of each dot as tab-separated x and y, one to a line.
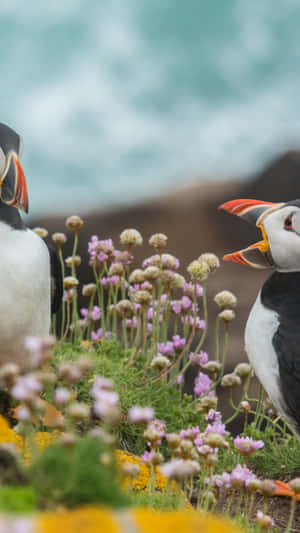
137	276
268	488
125	308
206	403
230	380
211	260
151	273
180	469
225	299
131	470
78	411
59	239
74	223
294	485
243	370
70	282
139	415
173	440
215	440
76	260
198	271
158	241
227	315
116	269
89	289
177	282
41	232
142	297
160	362
131	237
212	367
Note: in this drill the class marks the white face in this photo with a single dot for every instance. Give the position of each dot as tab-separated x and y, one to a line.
283	232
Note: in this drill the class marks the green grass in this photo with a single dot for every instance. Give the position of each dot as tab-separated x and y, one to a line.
17	499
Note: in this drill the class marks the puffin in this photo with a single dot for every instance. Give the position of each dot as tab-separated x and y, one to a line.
272	333
30	273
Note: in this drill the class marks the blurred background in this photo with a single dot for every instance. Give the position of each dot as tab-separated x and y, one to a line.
120	101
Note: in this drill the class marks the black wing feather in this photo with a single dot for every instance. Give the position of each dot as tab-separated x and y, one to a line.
56	279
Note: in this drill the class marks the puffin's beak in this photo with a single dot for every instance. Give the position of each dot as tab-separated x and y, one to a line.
257	255
13	188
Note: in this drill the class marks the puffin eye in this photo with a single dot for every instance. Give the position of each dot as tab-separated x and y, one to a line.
288	223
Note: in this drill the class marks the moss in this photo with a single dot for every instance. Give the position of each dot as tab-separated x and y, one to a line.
76	476
17	499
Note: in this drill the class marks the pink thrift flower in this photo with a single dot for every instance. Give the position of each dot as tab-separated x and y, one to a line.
247	446
241	476
138	414
203	384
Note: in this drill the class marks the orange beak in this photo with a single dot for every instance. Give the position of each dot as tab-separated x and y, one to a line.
13	187
257	255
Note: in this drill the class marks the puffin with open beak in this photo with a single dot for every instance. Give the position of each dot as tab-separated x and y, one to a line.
272	335
30	275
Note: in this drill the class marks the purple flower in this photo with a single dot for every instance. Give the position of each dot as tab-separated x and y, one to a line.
186	303
190	433
97	335
178	343
62	396
216	427
179	379
138	414
247	446
131	322
241	476
202	384
146	458
95	313
26	388
166	348
188	289
222	482
199	359
176	306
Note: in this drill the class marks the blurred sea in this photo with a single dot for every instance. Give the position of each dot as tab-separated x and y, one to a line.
121	99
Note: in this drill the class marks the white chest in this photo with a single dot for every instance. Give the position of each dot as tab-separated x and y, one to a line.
24	290
260	328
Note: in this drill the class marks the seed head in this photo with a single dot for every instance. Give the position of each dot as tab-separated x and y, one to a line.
230	380
225	299
70	282
215	440
143	298
125	308
74	223
116	269
137	276
198	270
243	370
59	239
212	367
227	315
294	485
131	237
70	260
158	241
41	232
211	260
78	411
89	289
151	273
160	362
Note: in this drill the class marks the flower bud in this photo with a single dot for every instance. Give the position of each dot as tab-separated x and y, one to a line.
78	411
116	269
225	299
125	308
85	364
243	370
254	484
41	232
131	470
131	237
173	440
246	406
185	449
294	485
215	440
157	458
268	487
74	223
68	439
70	260
227	315
70	282
59	239
206	403
212	367
89	289
151	435
211	460
160	362
177	282
137	276
264	521
158	241
230	380
167	277
151	273
143	298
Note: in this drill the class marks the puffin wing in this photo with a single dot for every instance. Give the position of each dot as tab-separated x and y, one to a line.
286	342
56	279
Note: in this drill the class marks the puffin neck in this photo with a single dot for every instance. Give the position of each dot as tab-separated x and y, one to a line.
281	293
11	216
